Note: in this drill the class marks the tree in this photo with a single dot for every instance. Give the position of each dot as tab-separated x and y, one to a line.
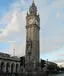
43	63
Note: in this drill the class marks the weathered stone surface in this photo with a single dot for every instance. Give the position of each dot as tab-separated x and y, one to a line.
32	39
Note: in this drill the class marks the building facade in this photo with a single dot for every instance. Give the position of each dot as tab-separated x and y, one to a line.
9	64
32	38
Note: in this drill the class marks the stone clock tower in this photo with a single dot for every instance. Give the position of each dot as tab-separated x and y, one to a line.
32	38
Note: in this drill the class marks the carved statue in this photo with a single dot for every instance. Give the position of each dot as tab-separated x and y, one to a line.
29	46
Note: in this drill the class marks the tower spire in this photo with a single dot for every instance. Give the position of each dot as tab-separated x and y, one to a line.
33	8
33	1
32	39
33	4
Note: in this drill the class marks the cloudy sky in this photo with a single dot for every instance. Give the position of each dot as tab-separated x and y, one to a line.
13	32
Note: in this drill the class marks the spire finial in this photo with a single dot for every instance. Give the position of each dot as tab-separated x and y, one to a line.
33	1
33	8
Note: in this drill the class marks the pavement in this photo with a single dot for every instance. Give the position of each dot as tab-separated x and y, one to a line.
57	75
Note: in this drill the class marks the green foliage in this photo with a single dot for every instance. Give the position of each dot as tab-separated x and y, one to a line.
43	63
62	68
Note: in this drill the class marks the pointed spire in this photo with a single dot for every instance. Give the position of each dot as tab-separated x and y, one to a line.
33	1
33	4
33	8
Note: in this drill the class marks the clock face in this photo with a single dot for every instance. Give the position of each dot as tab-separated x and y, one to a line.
31	21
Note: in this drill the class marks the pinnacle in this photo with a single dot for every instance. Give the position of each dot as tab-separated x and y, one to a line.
33	3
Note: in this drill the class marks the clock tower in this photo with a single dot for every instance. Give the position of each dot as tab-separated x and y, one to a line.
32	38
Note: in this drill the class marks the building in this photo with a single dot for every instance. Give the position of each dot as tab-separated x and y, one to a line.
51	66
9	64
32	38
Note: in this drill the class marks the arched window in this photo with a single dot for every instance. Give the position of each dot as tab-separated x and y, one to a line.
2	67
7	67
17	66
12	67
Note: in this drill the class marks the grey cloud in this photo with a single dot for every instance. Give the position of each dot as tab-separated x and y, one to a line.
51	43
52	28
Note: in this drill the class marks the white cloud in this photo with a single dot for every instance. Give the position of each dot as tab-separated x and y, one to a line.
52	30
22	1
14	32
19	48
16	23
60	54
2	38
51	43
58	15
59	62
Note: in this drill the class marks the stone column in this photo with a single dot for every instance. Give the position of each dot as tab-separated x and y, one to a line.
4	68
10	68
14	68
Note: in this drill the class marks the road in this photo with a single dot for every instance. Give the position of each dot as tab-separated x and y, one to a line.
58	75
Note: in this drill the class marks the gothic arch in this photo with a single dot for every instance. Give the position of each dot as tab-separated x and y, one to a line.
7	67
12	67
17	66
2	66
